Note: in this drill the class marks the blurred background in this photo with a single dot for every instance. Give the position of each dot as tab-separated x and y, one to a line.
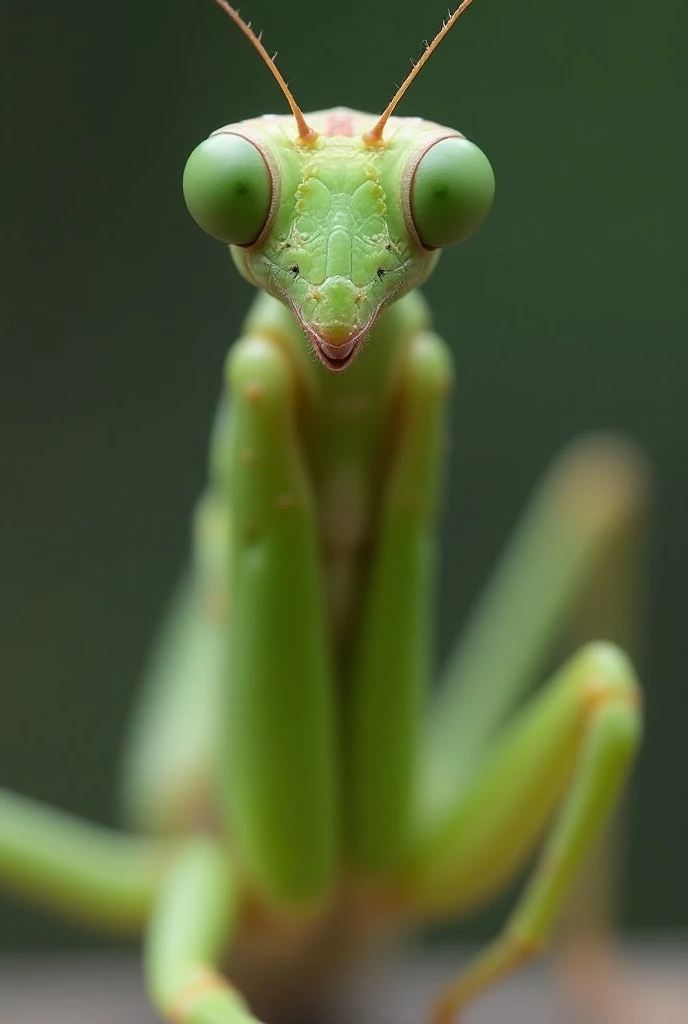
566	313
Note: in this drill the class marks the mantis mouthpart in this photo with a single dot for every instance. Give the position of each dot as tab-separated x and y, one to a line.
296	792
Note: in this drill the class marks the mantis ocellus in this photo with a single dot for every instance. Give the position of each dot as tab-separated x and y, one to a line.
296	791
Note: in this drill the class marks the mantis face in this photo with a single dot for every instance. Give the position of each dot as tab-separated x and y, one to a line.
330	215
337	226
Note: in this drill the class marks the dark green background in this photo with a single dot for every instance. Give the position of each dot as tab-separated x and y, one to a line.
567	310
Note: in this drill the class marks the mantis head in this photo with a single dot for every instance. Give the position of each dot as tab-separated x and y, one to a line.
332	216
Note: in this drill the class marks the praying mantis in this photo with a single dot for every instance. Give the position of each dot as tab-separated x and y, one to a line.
297	794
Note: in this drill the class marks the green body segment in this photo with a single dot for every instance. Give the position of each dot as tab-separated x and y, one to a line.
393	657
93	874
524	771
319	476
581	530
172	746
190	927
280	768
572	747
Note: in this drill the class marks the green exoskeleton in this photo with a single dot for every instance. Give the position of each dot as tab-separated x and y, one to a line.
297	793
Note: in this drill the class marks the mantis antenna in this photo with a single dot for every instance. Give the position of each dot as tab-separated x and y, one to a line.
374	136
306	133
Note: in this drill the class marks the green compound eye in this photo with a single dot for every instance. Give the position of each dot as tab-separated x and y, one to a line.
228	188
451	192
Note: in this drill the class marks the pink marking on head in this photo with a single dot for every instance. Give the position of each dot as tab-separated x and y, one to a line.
340	124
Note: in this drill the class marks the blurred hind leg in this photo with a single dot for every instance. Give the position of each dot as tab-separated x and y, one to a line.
172	741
